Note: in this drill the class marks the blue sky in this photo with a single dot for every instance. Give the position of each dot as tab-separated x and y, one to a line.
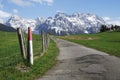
107	9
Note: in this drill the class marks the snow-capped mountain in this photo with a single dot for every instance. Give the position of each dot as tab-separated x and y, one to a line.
16	21
61	24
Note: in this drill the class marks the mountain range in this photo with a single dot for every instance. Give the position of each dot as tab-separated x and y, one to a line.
60	24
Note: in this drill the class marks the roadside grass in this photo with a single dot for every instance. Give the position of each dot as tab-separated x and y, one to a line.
10	58
108	42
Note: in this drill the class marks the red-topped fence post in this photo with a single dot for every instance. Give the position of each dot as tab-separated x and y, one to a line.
30	47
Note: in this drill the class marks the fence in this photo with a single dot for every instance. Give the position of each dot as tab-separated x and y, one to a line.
11	51
45	41
27	54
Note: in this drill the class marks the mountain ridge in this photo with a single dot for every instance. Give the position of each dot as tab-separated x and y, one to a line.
60	24
6	28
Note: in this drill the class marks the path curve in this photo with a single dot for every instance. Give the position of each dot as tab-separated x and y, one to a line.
76	62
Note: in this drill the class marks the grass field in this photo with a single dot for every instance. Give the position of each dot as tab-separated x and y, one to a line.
11	60
107	42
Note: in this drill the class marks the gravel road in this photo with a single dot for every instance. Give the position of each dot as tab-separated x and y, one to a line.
76	62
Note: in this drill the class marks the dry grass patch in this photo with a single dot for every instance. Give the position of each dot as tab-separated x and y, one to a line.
79	38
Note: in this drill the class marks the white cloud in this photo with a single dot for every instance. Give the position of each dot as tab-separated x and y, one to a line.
31	2
48	2
1	21
39	1
60	11
106	18
114	22
4	14
15	11
21	2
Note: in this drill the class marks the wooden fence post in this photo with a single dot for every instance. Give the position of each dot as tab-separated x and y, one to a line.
48	39
21	42
43	41
30	47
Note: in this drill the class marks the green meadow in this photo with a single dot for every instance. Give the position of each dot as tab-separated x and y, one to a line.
12	65
108	42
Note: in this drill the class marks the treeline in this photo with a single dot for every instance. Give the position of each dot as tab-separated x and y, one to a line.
105	28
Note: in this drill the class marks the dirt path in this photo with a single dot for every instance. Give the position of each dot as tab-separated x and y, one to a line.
76	62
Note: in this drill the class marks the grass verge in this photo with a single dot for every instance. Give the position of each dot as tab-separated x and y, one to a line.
10	58
108	42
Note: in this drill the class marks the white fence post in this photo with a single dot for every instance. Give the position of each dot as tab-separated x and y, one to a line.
30	47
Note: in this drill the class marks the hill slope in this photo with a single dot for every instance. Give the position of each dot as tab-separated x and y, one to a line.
6	28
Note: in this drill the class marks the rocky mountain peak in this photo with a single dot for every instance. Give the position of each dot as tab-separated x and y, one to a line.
61	24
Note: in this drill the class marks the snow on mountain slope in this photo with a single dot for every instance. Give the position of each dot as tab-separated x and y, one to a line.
16	21
61	24
77	23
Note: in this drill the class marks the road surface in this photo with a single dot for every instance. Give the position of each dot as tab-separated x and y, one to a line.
76	62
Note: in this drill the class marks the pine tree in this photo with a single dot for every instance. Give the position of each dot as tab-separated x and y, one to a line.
103	28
